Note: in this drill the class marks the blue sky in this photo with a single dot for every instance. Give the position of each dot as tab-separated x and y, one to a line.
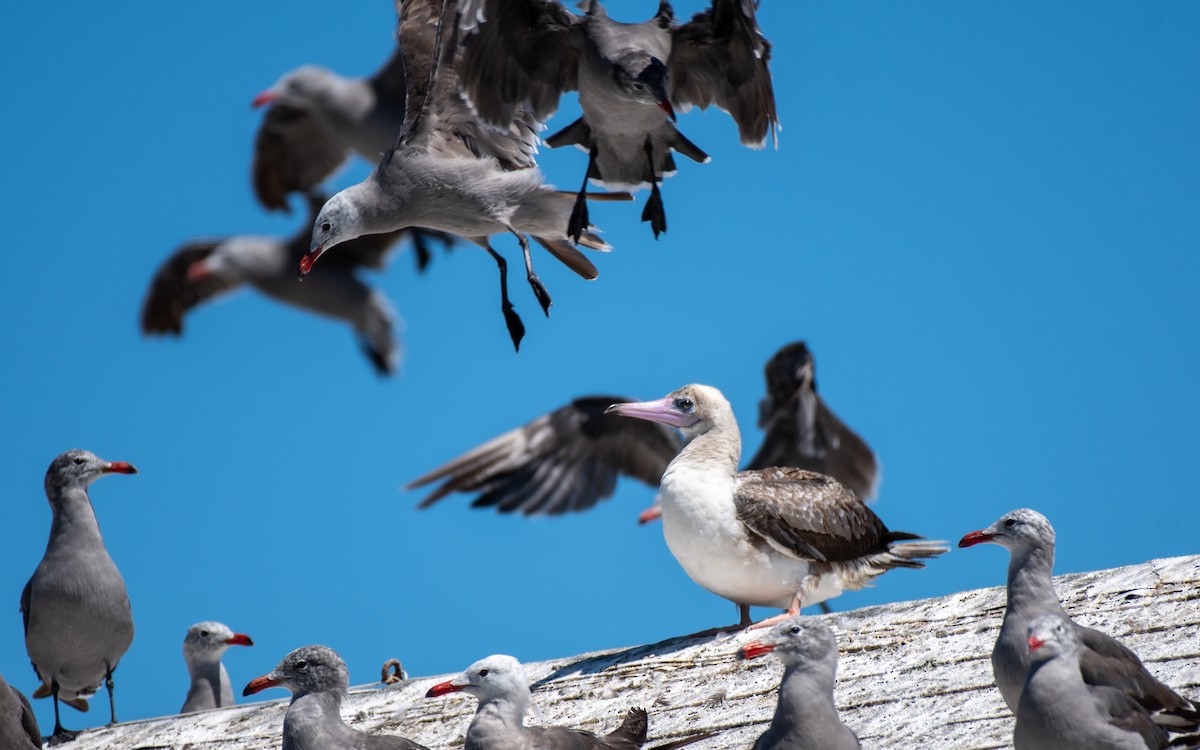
982	217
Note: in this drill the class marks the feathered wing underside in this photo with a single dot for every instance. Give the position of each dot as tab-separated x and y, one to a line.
721	57
808	515
293	152
172	293
518	51
567	460
438	119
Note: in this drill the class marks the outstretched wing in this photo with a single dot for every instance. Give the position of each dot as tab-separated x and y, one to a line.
564	461
172	293
292	153
720	57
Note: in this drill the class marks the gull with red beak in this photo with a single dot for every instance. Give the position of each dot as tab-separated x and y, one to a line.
774	537
1059	710
1029	538
319	681
805	717
78	623
500	685
203	647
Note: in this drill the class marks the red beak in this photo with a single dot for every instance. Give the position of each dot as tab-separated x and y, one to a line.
975	537
197	271
1035	643
754	649
121	467
240	639
442	688
306	263
649	515
265	97
259	683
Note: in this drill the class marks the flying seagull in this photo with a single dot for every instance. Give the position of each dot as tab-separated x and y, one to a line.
203	647
449	171
319	681
630	76
78	623
203	269
1029	538
570	459
775	537
805	717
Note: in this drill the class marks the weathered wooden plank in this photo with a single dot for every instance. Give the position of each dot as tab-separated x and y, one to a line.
912	675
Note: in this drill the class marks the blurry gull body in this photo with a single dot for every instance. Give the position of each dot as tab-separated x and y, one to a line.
203	647
630	77
18	726
775	537
450	172
805	717
78	623
318	680
1029	538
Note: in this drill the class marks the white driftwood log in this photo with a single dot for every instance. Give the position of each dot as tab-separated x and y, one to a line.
911	675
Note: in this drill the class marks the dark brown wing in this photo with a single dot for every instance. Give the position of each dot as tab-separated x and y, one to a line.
518	51
567	460
1106	661
292	153
172	293
809	515
720	57
389	84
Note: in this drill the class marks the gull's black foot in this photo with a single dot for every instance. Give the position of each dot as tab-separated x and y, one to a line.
60	736
655	213
579	218
516	329
539	291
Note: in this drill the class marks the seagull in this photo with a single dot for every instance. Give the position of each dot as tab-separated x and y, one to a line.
570	459
318	680
500	684
78	623
315	118
775	537
450	172
1058	710
1029	538
18	726
203	269
203	647
630	76
805	718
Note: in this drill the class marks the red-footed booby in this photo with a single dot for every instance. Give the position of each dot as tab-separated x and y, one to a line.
773	537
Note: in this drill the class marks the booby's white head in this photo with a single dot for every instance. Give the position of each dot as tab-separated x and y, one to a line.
694	409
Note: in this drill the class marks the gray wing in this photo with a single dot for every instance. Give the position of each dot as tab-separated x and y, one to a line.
18	726
1104	661
517	51
292	153
720	57
172	293
1124	713
387	742
564	461
809	515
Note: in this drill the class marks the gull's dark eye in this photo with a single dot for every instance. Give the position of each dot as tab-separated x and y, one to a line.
301	665
79	460
684	404
1010	523
795	630
483	673
326	227
203	633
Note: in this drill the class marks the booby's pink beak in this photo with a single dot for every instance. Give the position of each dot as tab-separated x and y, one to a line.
1035	643
442	688
259	684
266	97
754	649
306	263
240	639
120	467
198	271
663	410
649	515
975	537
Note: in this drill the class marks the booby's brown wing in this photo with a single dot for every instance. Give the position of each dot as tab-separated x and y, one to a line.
564	461
720	57
808	515
172	293
292	153
518	51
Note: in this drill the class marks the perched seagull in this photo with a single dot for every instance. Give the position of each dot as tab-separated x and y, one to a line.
450	172
203	647
18	726
630	77
500	684
1058	710
201	270
570	459
1029	538
773	537
315	118
805	717
318	680
76	610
